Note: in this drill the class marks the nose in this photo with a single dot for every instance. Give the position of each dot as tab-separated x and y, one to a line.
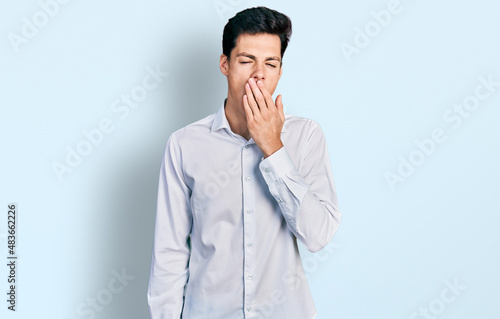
258	73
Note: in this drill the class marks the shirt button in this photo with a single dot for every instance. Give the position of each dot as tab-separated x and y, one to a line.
267	170
248	179
249	211
278	200
249	308
247	146
250	244
250	276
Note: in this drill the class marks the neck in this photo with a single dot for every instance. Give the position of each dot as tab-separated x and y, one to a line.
236	117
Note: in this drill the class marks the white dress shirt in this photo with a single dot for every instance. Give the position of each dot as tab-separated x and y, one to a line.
227	222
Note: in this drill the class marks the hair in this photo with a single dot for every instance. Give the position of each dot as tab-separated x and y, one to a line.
253	21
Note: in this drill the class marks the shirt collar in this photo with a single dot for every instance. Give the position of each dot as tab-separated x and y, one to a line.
220	120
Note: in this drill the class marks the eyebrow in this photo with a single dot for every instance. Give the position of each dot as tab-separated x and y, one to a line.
253	57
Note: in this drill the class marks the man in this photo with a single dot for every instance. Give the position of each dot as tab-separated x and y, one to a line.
236	190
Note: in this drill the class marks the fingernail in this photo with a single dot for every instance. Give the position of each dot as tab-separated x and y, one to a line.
259	83
251	80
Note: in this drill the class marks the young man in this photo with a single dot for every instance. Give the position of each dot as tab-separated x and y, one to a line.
238	188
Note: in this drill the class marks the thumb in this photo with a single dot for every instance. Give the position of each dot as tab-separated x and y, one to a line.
279	106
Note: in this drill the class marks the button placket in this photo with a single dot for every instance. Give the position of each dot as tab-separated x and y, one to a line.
249	162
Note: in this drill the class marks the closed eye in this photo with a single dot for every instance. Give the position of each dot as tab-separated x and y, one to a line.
246	62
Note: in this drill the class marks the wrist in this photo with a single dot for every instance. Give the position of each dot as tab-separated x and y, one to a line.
273	147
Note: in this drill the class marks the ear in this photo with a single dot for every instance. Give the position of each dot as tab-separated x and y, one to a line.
224	64
281	71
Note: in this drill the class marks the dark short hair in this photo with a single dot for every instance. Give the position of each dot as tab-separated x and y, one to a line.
254	21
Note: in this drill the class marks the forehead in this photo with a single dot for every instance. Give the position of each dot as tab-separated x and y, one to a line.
260	45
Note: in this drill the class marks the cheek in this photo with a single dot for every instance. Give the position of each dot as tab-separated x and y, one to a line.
238	78
272	85
238	84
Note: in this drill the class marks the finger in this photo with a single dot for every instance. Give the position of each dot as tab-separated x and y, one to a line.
258	95
279	106
251	100
265	93
247	108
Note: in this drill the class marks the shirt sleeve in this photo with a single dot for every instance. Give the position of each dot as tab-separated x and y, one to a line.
307	198
171	249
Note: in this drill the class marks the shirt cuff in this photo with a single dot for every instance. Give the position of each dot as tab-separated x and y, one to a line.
285	183
277	165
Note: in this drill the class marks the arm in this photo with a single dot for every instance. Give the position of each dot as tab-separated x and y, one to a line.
169	264
307	198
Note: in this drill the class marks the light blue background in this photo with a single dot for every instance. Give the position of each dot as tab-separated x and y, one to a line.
395	249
